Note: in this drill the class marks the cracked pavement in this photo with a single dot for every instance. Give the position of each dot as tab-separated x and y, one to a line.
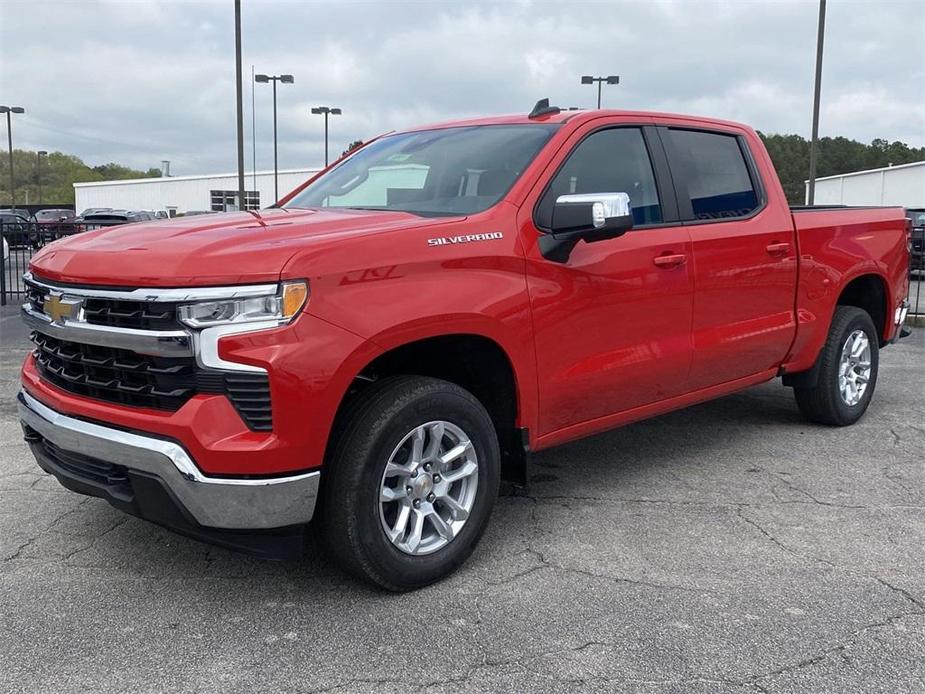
729	547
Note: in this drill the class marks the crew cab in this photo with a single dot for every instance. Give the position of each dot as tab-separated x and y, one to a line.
382	349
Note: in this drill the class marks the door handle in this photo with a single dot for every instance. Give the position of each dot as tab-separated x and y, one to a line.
670	260
778	248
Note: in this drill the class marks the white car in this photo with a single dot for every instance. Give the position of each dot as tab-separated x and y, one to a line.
6	251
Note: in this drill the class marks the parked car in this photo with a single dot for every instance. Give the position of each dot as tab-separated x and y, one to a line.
52	223
54	216
109	218
388	344
93	210
18	230
917	220
25	214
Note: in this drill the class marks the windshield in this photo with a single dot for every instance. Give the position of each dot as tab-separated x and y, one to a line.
450	171
918	217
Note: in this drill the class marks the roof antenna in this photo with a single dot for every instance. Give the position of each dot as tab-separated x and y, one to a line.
543	108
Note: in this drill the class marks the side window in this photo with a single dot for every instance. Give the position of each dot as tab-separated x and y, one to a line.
608	161
718	181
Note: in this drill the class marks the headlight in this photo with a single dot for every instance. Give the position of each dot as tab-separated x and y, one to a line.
282	307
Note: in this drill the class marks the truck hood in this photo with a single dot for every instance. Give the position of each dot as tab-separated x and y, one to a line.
230	248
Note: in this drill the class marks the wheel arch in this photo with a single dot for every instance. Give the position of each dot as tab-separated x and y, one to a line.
871	292
472	360
868	291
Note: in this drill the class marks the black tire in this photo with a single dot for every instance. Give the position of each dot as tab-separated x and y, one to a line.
823	402
367	435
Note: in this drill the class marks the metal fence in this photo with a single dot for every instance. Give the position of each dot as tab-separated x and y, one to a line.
917	275
20	241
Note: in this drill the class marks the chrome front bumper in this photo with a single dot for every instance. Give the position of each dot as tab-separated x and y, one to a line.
233	503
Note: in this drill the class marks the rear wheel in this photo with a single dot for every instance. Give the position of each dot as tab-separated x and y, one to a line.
412	482
847	371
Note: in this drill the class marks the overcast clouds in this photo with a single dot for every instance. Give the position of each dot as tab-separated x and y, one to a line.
137	82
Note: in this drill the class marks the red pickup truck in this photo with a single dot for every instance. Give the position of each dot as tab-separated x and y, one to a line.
383	348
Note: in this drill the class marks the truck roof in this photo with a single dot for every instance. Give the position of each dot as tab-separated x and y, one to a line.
575	116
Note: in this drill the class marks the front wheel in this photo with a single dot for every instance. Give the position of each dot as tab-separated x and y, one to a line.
411	483
847	371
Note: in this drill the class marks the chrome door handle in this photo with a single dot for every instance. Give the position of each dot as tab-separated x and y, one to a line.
778	248
670	260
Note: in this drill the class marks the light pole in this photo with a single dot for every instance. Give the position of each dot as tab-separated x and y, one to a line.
610	79
327	111
285	79
814	143
239	101
41	155
9	110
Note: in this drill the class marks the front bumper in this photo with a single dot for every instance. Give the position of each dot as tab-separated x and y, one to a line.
220	504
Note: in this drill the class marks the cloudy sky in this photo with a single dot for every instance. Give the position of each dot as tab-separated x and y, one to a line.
138	82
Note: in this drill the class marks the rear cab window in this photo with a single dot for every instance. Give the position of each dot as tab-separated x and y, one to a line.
717	180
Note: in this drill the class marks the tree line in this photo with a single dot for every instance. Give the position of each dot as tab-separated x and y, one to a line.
835	155
50	181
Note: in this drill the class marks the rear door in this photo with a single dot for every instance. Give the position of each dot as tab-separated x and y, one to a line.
744	256
612	324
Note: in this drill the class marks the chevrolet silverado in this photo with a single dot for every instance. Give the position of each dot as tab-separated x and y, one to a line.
382	349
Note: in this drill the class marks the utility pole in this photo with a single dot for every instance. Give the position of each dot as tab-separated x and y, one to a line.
253	129
240	101
814	143
327	111
9	111
611	79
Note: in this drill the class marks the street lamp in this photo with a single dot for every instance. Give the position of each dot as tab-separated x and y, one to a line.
8	110
41	155
263	79
611	79
327	111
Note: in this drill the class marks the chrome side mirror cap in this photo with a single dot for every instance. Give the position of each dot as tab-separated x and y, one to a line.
588	217
604	206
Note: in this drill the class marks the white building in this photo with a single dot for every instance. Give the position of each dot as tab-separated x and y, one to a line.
181	194
902	185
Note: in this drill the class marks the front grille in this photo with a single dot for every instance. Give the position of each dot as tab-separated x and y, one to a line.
35	296
127	378
115	375
138	315
137	380
116	313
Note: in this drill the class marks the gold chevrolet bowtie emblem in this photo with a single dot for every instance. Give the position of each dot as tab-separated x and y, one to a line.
58	308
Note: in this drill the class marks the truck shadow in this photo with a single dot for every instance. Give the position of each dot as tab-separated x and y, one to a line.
642	456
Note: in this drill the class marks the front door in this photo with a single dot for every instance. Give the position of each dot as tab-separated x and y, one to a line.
612	324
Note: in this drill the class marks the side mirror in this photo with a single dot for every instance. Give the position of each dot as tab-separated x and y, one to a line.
585	216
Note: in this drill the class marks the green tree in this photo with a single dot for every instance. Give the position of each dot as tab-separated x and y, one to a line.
50	180
352	146
836	155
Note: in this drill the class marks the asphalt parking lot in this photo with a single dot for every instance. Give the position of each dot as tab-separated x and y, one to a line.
730	547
